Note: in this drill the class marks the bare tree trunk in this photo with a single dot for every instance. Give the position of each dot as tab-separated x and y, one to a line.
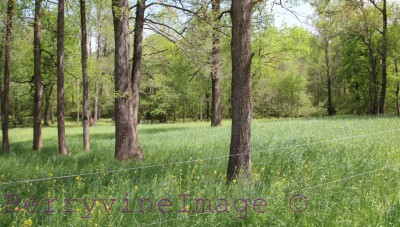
216	115
384	58
125	126
239	160
37	110
96	83
85	78
60	79
396	69
78	101
1	89
330	108
375	105
137	72
48	102
6	94
201	108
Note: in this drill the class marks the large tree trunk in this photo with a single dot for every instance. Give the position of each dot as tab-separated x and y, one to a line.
85	78
60	79
239	159
137	72
216	115
6	94
125	140
37	109
384	59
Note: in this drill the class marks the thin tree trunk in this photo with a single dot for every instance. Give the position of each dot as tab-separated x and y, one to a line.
201	108
37	109
96	83
125	126
6	94
85	78
384	59
1	89
78	101
375	90
216	115
396	68
96	102
60	79
48	104
207	105
331	109
239	159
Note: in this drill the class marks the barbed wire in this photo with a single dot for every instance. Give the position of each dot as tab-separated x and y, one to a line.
194	160
372	172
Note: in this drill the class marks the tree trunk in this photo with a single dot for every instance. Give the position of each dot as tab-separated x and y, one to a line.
37	110
216	115
78	101
374	75
85	78
239	160
6	94
60	79
96	83
48	103
1	89
331	109
207	105
384	59
137	73
126	145
396	69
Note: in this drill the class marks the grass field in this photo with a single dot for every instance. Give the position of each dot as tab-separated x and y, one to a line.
347	168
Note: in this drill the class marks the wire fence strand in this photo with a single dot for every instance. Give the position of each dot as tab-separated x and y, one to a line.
195	160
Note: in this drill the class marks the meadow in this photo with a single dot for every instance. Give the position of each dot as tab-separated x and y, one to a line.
345	168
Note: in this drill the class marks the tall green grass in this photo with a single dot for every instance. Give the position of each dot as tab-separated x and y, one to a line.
348	168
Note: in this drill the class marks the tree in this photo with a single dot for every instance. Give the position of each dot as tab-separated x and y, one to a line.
383	32
239	159
37	110
85	78
60	79
137	73
124	116
6	91
216	115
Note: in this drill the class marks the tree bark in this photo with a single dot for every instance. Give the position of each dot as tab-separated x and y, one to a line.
396	69
239	160
384	58
216	115
137	72
125	140
37	109
85	79
374	77
6	91
330	108
60	79
48	104
78	101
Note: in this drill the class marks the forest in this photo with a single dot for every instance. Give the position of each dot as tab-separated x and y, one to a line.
94	93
